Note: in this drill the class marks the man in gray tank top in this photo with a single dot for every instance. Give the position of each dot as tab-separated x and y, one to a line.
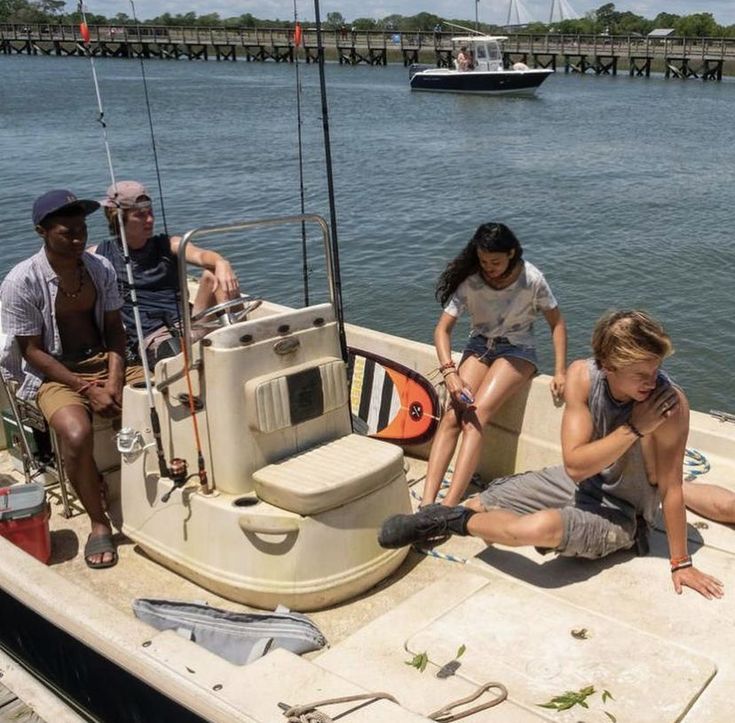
623	438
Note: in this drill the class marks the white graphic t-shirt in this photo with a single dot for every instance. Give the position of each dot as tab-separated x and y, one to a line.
508	312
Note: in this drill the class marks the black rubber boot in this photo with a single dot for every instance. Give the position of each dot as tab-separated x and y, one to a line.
429	522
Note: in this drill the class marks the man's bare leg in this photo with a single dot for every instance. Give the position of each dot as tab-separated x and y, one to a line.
543	529
74	430
505	527
710	501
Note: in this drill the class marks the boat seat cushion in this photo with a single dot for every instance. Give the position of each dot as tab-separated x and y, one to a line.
281	399
329	475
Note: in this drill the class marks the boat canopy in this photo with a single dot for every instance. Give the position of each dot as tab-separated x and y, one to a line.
479	38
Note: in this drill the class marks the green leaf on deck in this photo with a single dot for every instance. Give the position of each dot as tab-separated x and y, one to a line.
460	651
419	661
569	699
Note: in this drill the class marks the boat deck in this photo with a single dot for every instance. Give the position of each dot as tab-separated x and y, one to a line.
539	625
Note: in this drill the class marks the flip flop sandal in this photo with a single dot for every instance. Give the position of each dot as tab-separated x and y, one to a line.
98	545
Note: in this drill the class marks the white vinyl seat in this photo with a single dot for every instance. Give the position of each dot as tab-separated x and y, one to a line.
329	475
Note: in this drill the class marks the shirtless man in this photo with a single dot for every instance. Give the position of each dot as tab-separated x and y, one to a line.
62	307
623	438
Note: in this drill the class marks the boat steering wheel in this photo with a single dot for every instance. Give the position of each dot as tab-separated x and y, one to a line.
248	304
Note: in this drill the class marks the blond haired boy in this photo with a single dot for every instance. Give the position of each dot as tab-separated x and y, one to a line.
623	438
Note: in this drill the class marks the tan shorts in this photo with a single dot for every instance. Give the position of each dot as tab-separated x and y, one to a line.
591	529
52	396
158	336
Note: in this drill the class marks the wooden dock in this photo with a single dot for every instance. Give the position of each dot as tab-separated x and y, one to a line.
12	708
678	57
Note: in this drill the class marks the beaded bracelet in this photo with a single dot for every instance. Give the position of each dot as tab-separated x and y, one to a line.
634	429
449	365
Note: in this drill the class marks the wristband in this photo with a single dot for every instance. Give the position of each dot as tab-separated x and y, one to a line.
679	560
634	429
447	372
449	365
682	566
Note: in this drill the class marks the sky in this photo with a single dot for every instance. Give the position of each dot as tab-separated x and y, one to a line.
490	11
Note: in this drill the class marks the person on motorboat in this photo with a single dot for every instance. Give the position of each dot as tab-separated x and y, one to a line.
503	294
65	347
623	439
463	59
153	259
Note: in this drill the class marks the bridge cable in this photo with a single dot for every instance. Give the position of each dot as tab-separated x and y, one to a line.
155	423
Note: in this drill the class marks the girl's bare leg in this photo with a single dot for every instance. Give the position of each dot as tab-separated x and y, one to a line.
501	381
472	372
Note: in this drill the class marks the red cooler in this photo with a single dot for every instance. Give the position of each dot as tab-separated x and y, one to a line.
24	515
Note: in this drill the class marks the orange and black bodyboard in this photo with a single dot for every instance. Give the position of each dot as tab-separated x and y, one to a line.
390	401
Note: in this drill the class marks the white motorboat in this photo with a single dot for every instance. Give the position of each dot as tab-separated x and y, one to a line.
487	76
290	514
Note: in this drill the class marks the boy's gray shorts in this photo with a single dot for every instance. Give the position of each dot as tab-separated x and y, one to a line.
590	529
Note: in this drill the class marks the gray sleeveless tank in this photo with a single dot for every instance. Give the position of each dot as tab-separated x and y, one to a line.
624	485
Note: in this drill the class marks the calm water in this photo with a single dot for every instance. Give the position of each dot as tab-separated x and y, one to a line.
620	189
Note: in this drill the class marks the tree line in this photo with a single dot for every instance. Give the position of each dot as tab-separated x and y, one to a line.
606	19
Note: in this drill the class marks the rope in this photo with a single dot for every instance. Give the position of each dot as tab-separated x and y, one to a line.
695	464
443	715
433	552
309	714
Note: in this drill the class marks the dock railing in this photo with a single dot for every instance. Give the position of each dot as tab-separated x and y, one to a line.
548	43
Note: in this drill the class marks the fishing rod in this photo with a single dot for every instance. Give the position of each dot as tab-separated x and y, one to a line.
150	124
155	423
297	37
462	27
330	186
154	148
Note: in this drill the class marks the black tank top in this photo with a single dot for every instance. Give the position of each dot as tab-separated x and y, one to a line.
156	281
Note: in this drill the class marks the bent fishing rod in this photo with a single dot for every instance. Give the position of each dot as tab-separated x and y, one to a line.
155	422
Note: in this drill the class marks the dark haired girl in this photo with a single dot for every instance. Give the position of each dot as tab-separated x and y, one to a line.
503	294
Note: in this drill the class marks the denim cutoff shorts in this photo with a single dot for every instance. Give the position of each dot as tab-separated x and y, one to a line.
487	350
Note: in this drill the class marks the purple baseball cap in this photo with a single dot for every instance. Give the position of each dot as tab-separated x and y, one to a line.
125	194
60	200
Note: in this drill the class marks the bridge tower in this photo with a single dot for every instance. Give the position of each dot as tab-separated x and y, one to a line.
564	11
518	14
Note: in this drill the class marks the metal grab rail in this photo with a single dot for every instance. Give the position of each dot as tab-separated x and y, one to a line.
208	231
